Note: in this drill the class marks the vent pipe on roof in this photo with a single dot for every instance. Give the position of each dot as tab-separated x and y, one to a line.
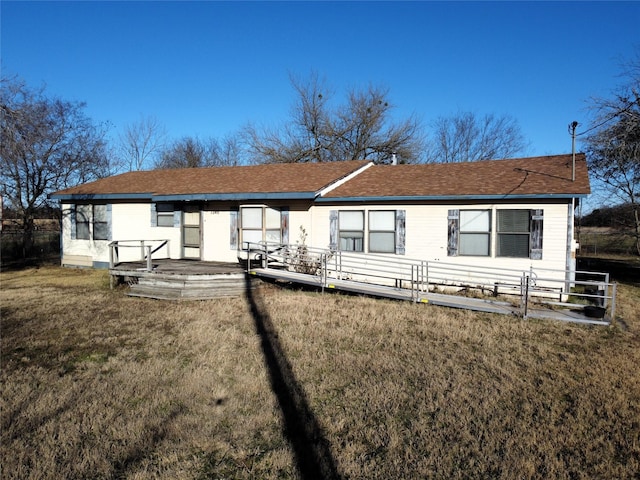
394	159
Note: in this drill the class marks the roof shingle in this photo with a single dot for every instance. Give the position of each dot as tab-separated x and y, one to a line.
255	179
549	175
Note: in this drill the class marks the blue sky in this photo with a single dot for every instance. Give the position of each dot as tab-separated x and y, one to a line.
208	68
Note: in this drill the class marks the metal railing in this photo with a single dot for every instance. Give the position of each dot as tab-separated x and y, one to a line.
591	292
146	248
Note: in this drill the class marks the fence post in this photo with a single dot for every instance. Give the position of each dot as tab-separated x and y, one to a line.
426	268
526	296
111	256
149	263
323	262
614	288
265	260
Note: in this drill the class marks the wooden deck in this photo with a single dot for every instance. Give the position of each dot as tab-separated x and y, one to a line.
181	279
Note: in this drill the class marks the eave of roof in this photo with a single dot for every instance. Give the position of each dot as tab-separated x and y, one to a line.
432	198
282	181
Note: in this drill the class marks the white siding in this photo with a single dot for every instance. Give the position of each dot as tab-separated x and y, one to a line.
73	250
426	233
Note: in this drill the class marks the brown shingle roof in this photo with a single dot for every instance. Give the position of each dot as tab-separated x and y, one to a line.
549	175
541	176
256	179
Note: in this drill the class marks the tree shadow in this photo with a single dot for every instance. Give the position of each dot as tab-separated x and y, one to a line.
311	449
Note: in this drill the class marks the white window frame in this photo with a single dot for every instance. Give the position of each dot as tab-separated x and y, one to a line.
464	233
100	224
519	233
385	232
348	237
86	221
165	211
266	227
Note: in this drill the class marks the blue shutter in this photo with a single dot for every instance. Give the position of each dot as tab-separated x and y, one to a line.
535	228
284	224
154	215
72	213
453	223
333	230
109	222
401	216
177	214
233	229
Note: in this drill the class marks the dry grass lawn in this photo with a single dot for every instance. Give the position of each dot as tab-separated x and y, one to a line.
292	384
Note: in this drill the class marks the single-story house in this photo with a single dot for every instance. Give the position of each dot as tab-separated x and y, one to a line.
514	213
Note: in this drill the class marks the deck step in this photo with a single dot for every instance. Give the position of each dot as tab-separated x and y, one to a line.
180	288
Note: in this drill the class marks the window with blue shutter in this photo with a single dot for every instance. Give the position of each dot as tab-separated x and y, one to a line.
519	233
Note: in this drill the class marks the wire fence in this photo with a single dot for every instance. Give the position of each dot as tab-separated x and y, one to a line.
46	246
594	242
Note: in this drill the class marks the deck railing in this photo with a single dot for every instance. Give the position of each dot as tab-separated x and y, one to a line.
147	248
591	292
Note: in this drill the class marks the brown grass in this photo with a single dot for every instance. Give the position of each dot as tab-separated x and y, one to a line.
99	385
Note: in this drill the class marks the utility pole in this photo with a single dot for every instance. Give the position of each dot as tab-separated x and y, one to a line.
572	130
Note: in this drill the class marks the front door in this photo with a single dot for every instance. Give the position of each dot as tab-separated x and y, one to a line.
191	232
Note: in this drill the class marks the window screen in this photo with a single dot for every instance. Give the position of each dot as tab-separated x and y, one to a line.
100	224
382	234
351	231
83	219
475	229
513	233
164	213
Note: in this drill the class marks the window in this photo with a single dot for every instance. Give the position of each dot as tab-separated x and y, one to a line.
164	212
351	231
475	232
518	233
83	219
261	224
382	231
100	223
513	233
91	221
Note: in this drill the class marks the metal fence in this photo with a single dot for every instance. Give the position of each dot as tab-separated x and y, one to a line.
591	291
46	244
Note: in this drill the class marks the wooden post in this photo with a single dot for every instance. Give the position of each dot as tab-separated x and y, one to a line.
149	263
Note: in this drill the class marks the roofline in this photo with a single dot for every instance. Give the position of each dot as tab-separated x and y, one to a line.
100	196
302	196
452	197
235	196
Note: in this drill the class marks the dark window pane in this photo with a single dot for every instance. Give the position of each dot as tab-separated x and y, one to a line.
513	245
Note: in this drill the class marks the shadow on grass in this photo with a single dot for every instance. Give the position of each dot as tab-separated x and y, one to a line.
312	451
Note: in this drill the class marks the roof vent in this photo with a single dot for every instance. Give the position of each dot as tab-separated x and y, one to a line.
394	159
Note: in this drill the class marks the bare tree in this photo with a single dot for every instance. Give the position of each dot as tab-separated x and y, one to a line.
318	131
613	146
466	137
47	144
191	152
141	141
